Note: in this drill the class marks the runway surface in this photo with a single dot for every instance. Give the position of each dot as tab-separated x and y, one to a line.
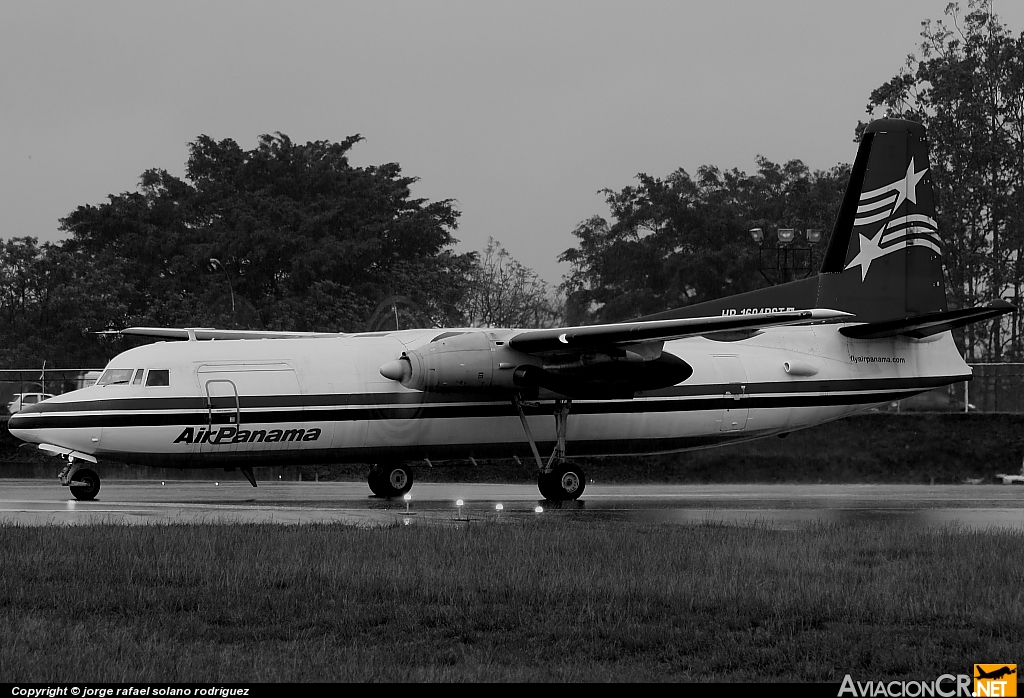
36	502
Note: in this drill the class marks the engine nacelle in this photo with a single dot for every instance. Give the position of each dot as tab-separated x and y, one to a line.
468	362
481	362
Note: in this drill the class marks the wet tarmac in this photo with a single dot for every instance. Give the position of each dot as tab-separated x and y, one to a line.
35	502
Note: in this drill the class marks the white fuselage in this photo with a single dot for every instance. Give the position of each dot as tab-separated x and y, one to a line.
275	401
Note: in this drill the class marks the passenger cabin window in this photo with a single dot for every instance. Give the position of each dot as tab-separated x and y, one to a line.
116	376
138	377
158	377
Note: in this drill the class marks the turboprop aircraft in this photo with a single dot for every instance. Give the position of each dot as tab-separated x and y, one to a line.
870	328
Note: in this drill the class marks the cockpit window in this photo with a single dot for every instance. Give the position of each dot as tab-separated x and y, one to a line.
158	377
138	377
116	376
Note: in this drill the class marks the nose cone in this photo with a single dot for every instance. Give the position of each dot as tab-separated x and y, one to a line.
399	370
65	421
22	424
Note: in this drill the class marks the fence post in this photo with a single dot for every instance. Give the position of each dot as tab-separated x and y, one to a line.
967	400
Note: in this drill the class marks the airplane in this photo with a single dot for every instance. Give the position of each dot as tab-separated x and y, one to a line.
872	327
997	673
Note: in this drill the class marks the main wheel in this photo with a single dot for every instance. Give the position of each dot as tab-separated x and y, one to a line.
563	483
85	484
375	479
546	485
390	481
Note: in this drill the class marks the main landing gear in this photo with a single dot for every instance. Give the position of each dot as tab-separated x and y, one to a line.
84	483
390	480
558	480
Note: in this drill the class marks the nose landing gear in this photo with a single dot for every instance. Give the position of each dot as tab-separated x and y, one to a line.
84	483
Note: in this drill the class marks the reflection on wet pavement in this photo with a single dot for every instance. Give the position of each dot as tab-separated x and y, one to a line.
778	506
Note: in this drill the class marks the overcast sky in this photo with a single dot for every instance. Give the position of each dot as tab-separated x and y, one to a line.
520	111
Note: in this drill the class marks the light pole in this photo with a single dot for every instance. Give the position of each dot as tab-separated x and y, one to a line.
215	263
787	257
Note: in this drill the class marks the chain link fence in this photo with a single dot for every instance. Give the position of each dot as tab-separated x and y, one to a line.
996	387
49	381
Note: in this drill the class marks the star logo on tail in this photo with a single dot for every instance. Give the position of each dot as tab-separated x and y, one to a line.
869	252
908	229
906	188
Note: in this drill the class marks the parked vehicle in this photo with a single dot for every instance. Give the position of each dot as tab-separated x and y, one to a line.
23	400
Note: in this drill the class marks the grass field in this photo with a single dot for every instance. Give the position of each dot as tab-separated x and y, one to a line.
540	600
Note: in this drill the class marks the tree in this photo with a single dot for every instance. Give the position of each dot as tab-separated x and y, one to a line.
49	300
967	88
504	293
301	236
303	241
679	240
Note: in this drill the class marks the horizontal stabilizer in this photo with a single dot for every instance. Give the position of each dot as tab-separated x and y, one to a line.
574	338
921	326
210	333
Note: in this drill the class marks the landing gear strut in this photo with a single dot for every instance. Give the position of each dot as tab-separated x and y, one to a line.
84	483
557	480
390	481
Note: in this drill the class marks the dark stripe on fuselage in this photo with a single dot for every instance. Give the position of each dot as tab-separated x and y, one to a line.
437	452
416	399
128	416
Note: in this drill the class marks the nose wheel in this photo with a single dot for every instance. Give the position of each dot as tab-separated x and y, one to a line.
85	484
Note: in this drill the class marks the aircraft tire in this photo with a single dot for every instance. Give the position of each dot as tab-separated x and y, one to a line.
563	483
85	484
390	481
547	487
397	480
375	480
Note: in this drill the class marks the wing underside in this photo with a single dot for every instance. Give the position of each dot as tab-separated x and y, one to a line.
627	333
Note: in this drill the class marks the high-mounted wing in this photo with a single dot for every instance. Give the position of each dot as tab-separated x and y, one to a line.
596	362
589	336
211	333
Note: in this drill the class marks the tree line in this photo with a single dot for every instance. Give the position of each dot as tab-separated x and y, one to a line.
285	236
966	85
291	236
679	240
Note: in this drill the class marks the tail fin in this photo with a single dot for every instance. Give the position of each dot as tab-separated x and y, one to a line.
884	259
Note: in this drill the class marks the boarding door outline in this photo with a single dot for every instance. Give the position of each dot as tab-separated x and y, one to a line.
273	402
223	408
734	379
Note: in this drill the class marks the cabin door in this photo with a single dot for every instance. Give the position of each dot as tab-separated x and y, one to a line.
734	383
274	408
223	413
